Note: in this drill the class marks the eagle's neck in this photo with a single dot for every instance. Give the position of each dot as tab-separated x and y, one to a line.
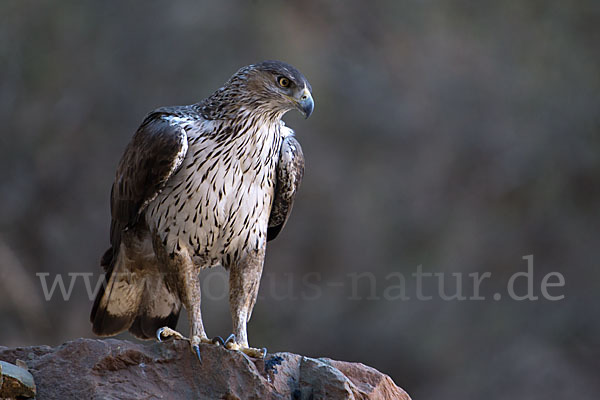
235	102
260	114
250	125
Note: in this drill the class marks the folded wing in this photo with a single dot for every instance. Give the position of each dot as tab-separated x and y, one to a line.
154	154
290	171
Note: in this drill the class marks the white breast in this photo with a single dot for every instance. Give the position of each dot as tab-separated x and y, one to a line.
218	203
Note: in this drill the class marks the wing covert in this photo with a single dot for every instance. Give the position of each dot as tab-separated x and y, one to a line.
290	170
154	154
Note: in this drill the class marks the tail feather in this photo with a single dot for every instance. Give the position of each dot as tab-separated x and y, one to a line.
117	302
159	307
102	323
145	326
140	302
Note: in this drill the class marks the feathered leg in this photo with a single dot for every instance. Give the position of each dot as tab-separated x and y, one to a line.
244	280
191	296
183	276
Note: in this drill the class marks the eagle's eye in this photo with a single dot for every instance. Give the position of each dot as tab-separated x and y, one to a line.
283	81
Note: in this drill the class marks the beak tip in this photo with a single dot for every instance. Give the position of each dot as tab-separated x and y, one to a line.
307	107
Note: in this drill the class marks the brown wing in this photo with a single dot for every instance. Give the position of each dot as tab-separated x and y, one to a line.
154	154
290	171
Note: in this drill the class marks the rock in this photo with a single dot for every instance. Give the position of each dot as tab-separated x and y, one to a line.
15	381
116	369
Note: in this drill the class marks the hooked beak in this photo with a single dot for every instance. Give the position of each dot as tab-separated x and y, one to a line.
306	105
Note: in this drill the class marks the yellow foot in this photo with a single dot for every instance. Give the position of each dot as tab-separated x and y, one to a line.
165	332
231	344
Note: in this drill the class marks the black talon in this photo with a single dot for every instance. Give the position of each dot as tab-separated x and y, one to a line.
231	338
246	357
197	350
218	339
159	334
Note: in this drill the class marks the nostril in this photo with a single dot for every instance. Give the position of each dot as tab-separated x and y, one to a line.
304	97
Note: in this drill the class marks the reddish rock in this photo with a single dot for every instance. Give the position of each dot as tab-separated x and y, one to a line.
116	369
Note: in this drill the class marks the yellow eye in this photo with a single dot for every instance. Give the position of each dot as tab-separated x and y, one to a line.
283	81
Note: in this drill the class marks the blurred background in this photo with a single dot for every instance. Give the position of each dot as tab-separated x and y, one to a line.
457	136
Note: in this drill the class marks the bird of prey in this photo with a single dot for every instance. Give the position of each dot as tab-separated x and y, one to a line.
202	185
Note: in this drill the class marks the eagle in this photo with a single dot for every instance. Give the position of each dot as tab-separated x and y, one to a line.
198	186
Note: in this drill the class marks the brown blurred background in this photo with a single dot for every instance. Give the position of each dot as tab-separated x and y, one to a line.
460	136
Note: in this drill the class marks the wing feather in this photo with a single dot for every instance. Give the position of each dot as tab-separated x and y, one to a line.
154	154
290	170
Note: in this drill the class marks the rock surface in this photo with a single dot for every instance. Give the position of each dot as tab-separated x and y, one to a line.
116	369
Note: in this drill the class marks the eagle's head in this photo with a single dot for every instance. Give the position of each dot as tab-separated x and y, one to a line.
281	85
271	87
